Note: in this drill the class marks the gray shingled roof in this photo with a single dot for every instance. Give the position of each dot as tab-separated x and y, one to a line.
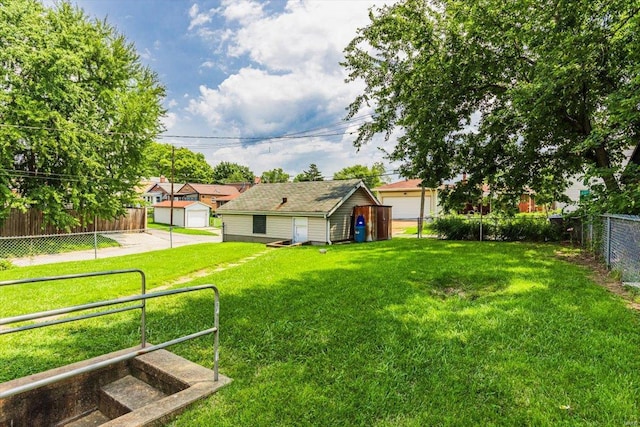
315	197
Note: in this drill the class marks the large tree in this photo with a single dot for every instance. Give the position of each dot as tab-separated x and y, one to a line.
516	93
311	174
228	172
188	166
274	175
373	177
77	110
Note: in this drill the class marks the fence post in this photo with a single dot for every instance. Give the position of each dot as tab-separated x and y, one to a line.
95	237
591	243
608	243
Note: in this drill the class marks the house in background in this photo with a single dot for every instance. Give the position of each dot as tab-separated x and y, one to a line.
188	214
404	198
160	191
213	195
244	186
320	212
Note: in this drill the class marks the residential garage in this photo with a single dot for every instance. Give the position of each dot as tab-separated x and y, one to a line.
188	214
407	207
404	198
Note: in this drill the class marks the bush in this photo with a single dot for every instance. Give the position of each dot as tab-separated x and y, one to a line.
519	228
531	229
456	228
5	264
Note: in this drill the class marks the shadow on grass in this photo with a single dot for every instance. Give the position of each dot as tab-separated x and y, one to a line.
402	333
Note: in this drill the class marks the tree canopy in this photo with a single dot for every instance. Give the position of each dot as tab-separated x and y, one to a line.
518	94
227	172
188	166
311	174
77	110
274	175
373	177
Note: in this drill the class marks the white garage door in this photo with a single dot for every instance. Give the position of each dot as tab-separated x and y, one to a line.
407	207
196	219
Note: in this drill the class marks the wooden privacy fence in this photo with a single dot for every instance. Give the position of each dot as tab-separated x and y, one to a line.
31	223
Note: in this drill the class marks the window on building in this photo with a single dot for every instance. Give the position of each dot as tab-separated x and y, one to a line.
259	224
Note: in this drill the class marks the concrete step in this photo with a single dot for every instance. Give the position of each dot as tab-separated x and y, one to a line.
92	419
125	395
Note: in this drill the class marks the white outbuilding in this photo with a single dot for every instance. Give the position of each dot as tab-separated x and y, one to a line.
186	213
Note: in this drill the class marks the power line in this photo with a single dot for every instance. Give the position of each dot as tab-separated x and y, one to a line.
330	130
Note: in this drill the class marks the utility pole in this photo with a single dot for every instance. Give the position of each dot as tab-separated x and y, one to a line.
173	158
422	191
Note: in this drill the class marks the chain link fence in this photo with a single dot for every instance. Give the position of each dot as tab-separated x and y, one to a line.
620	244
51	248
31	246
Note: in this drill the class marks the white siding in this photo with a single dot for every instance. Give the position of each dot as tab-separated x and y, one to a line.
573	192
238	224
317	231
163	216
278	227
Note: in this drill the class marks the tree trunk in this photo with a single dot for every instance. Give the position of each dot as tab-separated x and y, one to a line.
604	164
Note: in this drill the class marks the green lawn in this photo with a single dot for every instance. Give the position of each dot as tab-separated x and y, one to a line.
398	333
180	230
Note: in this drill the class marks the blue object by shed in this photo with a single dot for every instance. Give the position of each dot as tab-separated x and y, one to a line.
359	235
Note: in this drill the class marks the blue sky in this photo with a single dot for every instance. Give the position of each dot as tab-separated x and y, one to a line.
242	69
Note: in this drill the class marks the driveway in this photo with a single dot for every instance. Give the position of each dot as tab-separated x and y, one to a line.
130	243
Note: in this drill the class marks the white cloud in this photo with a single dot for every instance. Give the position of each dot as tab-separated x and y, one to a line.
199	18
169	120
292	82
147	55
243	11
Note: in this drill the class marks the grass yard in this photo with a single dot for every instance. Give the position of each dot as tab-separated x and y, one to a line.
180	230
399	333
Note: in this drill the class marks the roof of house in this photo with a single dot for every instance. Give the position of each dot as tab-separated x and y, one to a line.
407	184
178	204
310	197
211	189
166	187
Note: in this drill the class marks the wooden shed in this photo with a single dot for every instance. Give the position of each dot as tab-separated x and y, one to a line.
377	221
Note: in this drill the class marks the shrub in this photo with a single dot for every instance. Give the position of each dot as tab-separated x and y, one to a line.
519	228
5	264
532	229
456	228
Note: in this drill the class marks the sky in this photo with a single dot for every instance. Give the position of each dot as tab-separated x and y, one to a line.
240	72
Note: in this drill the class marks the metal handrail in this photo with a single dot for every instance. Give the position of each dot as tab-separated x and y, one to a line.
143	348
40	315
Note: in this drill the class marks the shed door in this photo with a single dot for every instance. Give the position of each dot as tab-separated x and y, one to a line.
196	219
300	229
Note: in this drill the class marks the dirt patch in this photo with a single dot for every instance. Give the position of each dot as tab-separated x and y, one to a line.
398	226
600	274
